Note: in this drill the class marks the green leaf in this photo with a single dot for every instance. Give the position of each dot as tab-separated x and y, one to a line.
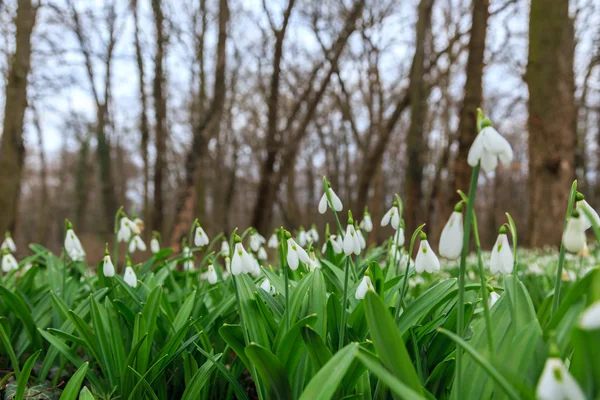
199	380
24	376
85	394
318	352
234	337
271	370
72	389
11	353
239	390
388	342
18	306
291	347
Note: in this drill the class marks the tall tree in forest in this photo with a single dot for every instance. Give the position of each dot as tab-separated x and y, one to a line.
552	117
208	128
473	97
417	137
160	115
12	148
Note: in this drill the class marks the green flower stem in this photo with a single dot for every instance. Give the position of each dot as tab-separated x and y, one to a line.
344	301
513	233
484	290
461	275
405	283
561	256
285	276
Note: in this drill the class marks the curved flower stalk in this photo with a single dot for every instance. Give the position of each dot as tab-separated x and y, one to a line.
155	242
590	318
200	237
488	147
501	260
574	234
364	286
129	277
556	383
8	243
426	259
392	216
367	223
451	239
336	203
9	262
137	243
73	246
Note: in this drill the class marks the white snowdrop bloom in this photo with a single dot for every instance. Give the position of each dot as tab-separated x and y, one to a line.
590	319
451	239
256	240
154	245
126	229
393	216
556	383
361	239
211	274
227	265
200	237
335	202
130	278
313	263
302	237
363	287
267	287
366	223
312	235
416	281
574	234
108	269
501	260
262	254
493	299
399	238
351	241
73	246
255	271
242	262
8	243
487	148
587	223
188	263
273	241
9	262
137	244
426	259
335	245
295	254
138	226
225	248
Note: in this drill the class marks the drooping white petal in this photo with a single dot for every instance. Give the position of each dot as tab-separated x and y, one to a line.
337	249
9	262
302	255
556	383
361	239
574	235
495	143
313	235
267	287
313	263
400	236
255	242
248	262
489	161
493	299
8	244
335	201
451	239
349	240
590	319
426	259
357	246
200	238
225	248
262	254
154	245
292	255
125	232
130	278
363	287
140	243
273	241
476	151
323	204
73	246
387	217
236	261
367	223
501	260
108	269
587	223
506	156
211	275
396	218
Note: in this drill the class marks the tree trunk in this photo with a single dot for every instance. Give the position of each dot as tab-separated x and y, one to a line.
12	148
81	182
416	137
44	199
160	112
551	121
467	125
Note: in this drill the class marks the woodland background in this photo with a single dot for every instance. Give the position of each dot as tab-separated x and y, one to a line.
233	110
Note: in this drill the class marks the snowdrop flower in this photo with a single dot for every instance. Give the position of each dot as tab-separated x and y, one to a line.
302	237
295	254
501	260
154	243
313	263
127	228
312	235
393	216
200	238
574	234
211	275
262	254
488	147
9	262
336	203
227	265
255	271
267	287
426	259
351	240
130	277
225	248
590	319
256	240
137	244
493	299
399	236
242	262
108	269
73	246
587	223
556	383
335	244
363	287
361	239
139	225
8	243
273	241
367	222
188	264
451	239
